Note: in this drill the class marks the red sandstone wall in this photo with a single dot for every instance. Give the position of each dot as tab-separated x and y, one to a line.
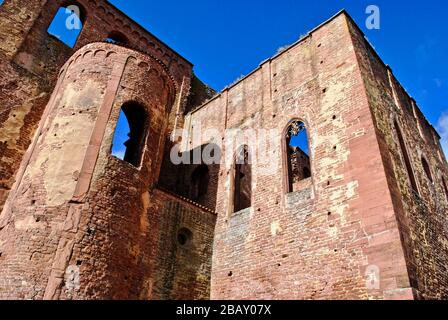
31	60
76	206
23	94
23	29
23	100
422	217
178	179
318	242
181	272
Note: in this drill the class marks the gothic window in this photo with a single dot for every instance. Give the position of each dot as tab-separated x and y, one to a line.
67	24
427	169
117	38
129	137
199	183
297	154
406	158
242	180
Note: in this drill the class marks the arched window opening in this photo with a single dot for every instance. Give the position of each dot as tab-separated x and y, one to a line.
297	152
243	180
199	183
406	158
445	188
427	169
117	38
129	137
67	24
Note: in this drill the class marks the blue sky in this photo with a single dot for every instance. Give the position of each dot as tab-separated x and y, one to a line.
225	39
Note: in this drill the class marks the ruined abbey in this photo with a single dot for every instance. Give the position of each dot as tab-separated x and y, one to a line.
360	212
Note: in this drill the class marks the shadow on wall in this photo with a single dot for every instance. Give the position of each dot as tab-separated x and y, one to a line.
194	180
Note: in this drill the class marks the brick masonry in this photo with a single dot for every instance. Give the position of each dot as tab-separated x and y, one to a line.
422	215
78	223
322	241
32	59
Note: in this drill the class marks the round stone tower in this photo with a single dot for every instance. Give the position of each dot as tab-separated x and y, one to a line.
75	224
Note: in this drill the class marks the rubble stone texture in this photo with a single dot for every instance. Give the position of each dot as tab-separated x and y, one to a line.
78	223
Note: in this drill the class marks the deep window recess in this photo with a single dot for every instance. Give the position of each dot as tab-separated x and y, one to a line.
243	180
67	24
297	153
117	37
405	155
199	183
129	137
427	169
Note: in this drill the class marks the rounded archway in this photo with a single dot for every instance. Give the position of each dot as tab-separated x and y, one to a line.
117	38
130	133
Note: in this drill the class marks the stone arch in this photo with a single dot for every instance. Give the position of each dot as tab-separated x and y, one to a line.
68	22
133	114
117	38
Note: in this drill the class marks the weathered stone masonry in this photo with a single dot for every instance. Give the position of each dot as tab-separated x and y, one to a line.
74	207
357	213
32	59
78	223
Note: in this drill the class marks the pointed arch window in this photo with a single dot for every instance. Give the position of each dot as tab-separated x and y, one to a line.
242	180
406	158
297	153
129	137
67	24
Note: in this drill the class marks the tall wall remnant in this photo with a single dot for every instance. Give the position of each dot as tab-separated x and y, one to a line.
353	227
80	223
32	59
360	213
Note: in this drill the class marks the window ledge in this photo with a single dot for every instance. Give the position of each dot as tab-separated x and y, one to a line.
302	184
125	163
241	212
299	197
